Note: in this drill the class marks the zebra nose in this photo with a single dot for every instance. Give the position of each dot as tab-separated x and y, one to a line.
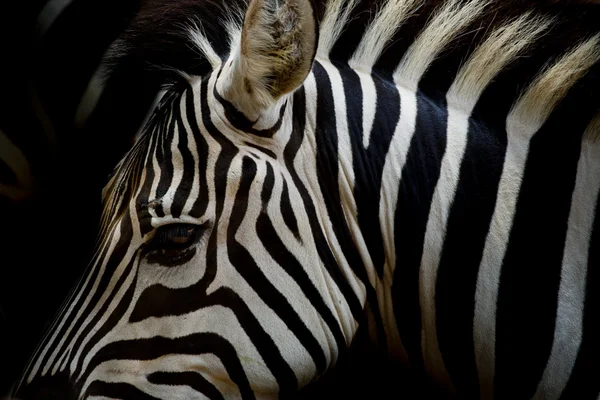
57	387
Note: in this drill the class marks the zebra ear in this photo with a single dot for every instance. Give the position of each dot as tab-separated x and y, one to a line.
274	55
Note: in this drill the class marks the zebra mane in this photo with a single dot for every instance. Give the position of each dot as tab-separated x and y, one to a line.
547	45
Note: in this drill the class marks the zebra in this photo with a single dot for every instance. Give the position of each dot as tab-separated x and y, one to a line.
429	170
53	109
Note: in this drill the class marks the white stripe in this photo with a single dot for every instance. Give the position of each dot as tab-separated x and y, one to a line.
285	339
486	294
305	256
472	79
346	176
204	366
443	196
447	22
129	280
132	252
369	105
307	173
388	200
192	146
114	237
571	294
176	161
157	142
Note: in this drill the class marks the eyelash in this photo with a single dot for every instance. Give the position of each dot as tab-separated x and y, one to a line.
164	248
166	236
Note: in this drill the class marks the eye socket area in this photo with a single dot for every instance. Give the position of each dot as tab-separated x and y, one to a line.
174	244
178	236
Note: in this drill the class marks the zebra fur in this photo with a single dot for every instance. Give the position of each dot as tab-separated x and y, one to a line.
353	190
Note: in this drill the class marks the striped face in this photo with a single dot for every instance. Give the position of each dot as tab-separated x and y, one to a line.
211	275
268	201
208	273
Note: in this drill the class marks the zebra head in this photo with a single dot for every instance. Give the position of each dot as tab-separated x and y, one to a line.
294	184
213	275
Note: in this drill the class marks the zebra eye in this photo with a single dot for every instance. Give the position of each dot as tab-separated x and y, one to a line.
176	236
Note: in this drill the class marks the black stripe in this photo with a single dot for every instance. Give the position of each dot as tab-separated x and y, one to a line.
467	228
369	163
159	301
165	157
287	211
191	379
530	277
189	167
121	308
419	179
282	256
194	344
174	302
261	149
368	168
242	123
159	141
328	259
84	289
142	199
228	149
327	173
199	207
115	257
228	152
127	183
243	262
110	323
584	383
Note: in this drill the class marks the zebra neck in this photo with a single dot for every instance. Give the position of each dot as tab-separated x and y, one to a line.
359	153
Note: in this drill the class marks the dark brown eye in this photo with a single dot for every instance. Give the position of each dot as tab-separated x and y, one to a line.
176	236
174	244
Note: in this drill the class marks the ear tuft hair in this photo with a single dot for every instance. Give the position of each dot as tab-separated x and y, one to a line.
275	53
